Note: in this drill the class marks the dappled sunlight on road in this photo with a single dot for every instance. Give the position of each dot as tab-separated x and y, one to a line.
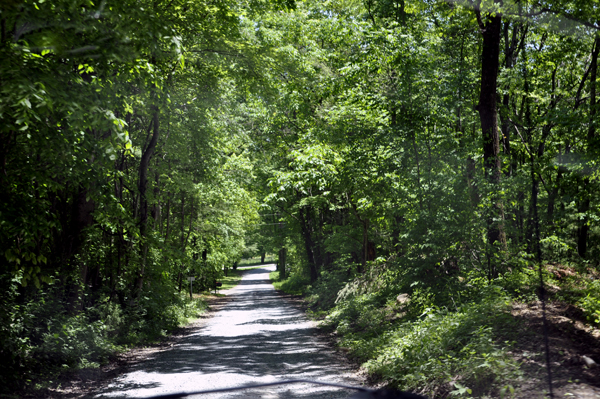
255	338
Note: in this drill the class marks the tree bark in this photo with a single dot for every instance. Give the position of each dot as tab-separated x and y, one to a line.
488	116
487	98
180	277
143	187
156	208
584	205
283	261
168	217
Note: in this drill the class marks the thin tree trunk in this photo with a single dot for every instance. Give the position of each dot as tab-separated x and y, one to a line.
552	194
365	244
180	277
365	237
168	217
414	142
584	206
489	126
191	220
156	209
552	197
143	187
182	217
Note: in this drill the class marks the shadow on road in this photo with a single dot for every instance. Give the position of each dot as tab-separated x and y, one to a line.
256	337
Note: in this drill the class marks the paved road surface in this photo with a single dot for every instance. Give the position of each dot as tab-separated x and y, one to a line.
256	337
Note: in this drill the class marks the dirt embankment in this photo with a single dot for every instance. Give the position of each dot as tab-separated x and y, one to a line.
571	341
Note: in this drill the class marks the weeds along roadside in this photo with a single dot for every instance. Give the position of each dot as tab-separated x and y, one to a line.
451	339
44	337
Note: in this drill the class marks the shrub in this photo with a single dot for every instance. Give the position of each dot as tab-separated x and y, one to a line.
295	284
443	348
323	294
44	334
74	342
437	353
590	303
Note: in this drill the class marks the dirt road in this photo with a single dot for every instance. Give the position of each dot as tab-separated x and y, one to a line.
256	337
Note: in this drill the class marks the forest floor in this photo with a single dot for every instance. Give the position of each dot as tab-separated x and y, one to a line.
570	339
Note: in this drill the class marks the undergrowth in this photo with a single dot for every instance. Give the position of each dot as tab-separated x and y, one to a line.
46	336
449	336
439	352
293	285
578	285
590	302
452	338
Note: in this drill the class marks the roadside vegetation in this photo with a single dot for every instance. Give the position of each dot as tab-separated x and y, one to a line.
411	166
233	277
294	285
53	341
257	260
464	339
120	174
436	156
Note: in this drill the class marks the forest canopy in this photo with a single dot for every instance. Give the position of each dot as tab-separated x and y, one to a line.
416	165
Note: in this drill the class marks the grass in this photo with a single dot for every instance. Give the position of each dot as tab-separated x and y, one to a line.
233	278
192	309
254	261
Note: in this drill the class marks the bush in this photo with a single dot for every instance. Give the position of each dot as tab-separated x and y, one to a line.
44	334
74	342
438	353
590	303
443	348
323	294
15	342
157	314
294	285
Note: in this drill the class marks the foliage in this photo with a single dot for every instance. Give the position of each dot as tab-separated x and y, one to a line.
373	142
121	174
324	292
256	261
590	303
293	285
378	162
88	338
434	353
